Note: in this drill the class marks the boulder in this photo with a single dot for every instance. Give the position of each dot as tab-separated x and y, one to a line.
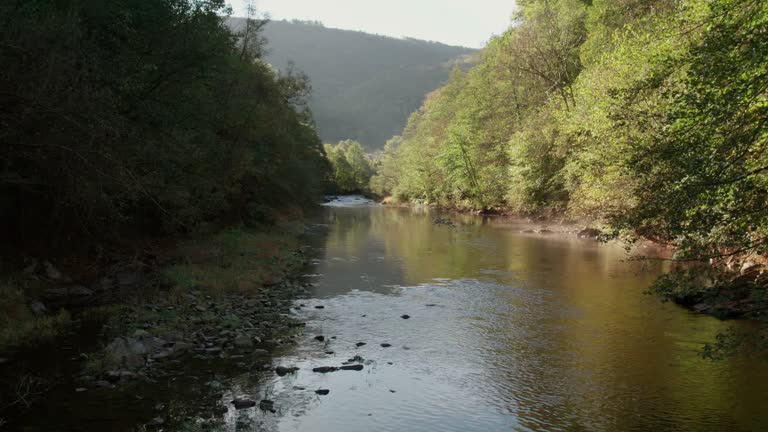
243	341
127	352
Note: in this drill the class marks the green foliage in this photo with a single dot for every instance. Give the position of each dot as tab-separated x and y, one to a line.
648	116
352	168
144	114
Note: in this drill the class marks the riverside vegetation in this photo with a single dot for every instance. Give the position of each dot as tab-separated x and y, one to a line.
155	164
648	117
147	151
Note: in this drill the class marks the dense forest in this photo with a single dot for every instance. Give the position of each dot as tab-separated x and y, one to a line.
152	117
134	134
364	86
649	117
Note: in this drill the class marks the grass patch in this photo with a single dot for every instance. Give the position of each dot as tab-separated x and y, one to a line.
19	326
237	259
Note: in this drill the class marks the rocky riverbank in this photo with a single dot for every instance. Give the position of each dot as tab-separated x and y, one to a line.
132	334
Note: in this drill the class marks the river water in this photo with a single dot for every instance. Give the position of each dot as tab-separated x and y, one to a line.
507	331
528	332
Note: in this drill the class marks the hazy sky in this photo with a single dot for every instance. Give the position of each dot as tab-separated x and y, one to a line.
457	22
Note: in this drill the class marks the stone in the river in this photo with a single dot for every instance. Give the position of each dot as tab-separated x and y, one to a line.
243	341
320	338
386	345
329	352
155	422
405	316
357	367
431	305
283	371
359	344
319	307
322	392
591	233
182	347
128	352
391	391
243	403
299	388
325	369
213	350
38	308
267	405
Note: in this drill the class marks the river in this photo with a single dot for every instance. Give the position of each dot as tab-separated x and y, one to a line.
506	331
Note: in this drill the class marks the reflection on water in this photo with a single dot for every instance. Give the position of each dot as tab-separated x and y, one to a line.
508	331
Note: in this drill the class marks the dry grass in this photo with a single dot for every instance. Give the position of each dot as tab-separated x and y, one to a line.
235	260
19	326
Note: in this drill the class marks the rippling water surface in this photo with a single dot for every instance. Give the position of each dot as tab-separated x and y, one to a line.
508	331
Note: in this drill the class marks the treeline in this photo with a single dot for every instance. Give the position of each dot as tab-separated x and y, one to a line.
649	116
351	167
143	116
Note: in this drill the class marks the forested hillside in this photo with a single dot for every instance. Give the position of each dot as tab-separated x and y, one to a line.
364	86
648	116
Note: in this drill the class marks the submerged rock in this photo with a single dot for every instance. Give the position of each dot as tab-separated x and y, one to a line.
283	371
357	367
243	403
267	405
325	369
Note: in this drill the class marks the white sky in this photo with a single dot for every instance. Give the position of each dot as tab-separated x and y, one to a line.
467	23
